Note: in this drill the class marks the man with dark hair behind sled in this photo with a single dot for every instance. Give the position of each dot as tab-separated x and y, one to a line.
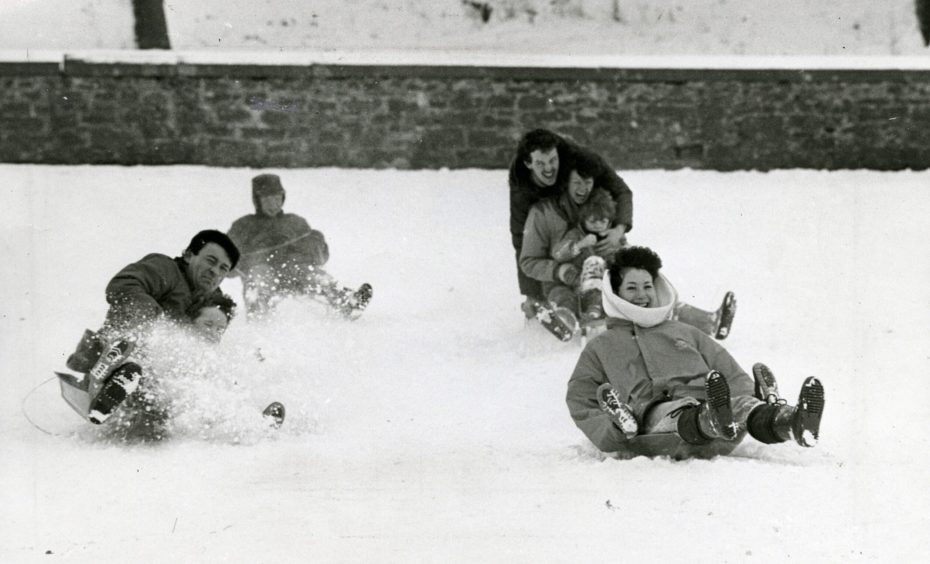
651	385
157	286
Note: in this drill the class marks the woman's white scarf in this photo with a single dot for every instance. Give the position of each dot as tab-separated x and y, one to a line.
615	306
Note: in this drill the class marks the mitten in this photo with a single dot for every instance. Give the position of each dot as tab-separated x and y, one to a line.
567	273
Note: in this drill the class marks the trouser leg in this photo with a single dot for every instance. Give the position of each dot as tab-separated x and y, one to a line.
563	296
704	320
529	287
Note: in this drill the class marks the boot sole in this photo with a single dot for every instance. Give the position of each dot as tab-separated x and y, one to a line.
559	321
811	401
727	313
275	413
766	386
120	385
718	400
621	412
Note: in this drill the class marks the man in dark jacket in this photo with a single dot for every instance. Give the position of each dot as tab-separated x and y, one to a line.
282	255
157	286
174	287
540	170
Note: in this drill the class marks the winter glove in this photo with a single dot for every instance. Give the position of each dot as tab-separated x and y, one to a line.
615	240
587	241
567	273
87	352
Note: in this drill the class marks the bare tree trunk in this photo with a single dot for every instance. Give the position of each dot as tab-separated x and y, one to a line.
151	26
617	14
923	18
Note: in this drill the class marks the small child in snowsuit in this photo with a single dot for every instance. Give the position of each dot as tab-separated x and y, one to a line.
577	249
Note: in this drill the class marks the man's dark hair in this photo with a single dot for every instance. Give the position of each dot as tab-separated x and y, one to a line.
537	139
633	257
213	236
585	163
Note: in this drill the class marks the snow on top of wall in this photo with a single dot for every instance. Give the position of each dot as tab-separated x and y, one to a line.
450	58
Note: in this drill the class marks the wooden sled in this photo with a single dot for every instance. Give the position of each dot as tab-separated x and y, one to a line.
671	445
75	394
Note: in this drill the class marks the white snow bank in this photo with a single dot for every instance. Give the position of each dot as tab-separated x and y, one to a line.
434	428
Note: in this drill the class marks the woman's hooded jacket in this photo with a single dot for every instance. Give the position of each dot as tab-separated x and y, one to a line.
647	358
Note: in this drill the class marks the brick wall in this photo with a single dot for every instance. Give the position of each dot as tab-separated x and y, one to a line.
377	116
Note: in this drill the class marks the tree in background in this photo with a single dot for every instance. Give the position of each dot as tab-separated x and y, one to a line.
151	26
923	18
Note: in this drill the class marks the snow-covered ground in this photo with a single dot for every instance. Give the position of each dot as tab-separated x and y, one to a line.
434	428
547	27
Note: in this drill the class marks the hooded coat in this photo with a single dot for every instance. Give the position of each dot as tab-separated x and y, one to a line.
647	361
285	241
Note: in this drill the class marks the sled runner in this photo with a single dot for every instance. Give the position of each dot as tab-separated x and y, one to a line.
74	393
671	445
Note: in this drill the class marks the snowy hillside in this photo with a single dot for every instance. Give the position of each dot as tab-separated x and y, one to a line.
434	429
557	27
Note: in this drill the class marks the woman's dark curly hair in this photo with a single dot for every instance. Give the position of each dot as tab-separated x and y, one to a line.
643	258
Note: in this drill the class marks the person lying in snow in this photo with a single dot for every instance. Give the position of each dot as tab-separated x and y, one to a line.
544	258
283	256
647	374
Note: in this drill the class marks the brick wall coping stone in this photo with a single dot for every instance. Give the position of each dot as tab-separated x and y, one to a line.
334	64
